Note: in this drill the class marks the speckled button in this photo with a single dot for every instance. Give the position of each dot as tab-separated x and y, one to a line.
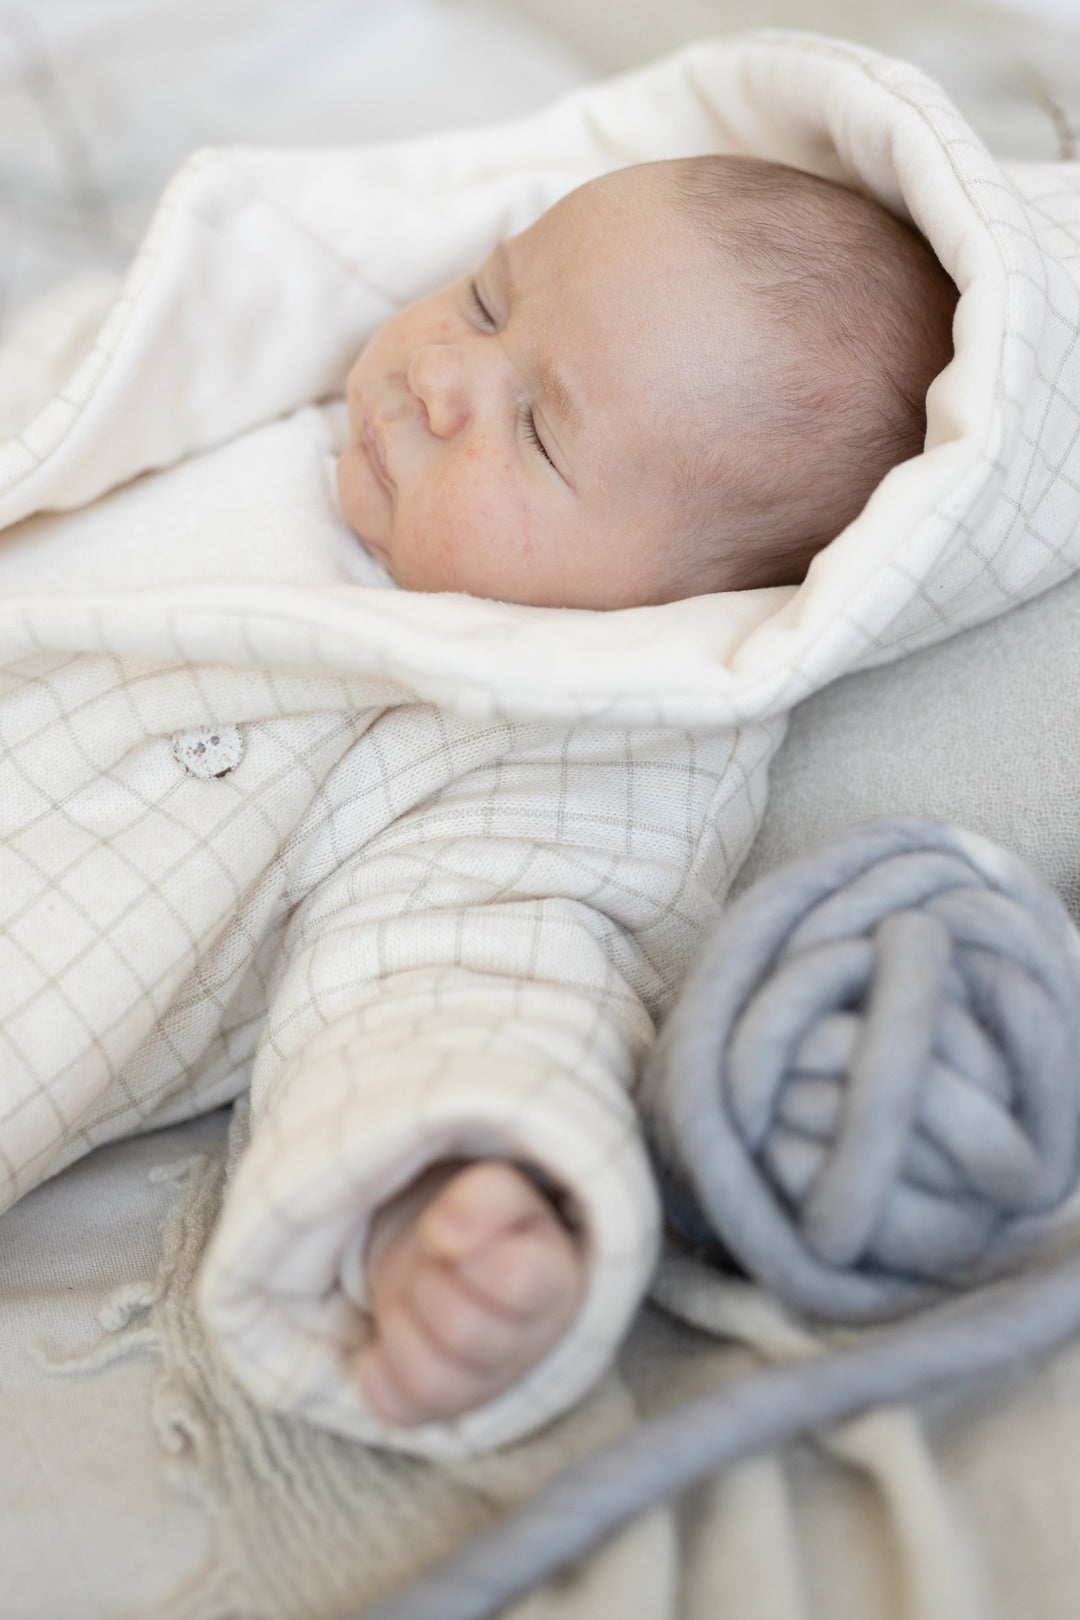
211	752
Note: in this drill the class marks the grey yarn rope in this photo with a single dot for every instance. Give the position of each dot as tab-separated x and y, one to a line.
593	1499
869	1090
869	1093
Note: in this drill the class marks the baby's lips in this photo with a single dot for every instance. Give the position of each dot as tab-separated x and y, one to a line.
375	449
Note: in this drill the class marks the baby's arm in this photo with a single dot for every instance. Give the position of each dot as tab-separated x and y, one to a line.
475	983
473	1277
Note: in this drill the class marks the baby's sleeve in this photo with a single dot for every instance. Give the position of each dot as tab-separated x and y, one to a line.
481	981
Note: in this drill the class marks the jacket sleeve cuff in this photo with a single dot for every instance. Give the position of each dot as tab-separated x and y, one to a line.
282	1287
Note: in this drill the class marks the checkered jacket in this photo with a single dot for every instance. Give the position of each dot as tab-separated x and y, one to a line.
421	873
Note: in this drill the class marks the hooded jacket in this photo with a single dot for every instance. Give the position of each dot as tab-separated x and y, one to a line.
424	871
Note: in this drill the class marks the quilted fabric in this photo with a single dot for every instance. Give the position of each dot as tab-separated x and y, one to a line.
465	849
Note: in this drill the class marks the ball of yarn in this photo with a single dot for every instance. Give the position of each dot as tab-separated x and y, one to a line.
870	1085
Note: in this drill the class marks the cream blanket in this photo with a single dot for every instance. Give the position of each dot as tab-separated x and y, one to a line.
463	850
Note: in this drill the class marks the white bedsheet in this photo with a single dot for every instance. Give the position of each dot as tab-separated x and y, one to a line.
100	100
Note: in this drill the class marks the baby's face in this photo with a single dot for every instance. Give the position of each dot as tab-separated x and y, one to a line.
518	434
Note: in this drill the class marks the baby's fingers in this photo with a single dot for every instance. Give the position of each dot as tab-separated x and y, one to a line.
533	1273
486	1201
474	1332
409	1377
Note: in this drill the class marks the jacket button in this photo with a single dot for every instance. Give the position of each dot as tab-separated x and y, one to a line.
209	752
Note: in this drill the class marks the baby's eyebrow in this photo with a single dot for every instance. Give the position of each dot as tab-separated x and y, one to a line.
548	375
557	391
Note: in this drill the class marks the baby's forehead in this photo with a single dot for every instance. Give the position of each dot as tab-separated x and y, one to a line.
628	233
618	201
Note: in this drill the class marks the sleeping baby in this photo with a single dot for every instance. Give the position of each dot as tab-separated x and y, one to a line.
686	377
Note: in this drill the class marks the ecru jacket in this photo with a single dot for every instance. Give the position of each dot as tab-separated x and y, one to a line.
422	872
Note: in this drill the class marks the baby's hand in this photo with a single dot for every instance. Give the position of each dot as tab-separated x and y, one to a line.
469	1289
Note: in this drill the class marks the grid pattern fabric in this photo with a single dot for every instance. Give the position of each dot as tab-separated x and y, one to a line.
415	934
467	848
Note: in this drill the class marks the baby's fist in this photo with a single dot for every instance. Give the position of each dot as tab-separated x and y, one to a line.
473	1277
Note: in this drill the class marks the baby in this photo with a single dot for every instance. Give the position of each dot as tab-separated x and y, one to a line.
686	377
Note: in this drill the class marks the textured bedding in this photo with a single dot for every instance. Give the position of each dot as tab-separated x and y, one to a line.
101	100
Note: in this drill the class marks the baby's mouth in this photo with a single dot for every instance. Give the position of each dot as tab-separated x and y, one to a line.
376	453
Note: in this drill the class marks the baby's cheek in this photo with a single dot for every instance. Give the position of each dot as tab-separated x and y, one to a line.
432	547
471	528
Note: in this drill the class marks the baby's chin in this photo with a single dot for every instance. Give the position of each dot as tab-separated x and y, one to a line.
352	513
376	552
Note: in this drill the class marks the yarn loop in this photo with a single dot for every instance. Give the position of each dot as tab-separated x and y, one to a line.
869	1091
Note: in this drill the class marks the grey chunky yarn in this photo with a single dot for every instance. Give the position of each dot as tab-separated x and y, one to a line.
869	1094
870	1085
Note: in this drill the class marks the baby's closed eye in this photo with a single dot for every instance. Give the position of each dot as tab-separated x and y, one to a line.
527	421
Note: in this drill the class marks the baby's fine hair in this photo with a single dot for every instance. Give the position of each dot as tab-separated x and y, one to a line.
859	312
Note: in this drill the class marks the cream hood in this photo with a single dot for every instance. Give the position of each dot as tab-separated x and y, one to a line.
264	271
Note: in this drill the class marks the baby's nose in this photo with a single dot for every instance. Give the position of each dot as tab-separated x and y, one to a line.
439	377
